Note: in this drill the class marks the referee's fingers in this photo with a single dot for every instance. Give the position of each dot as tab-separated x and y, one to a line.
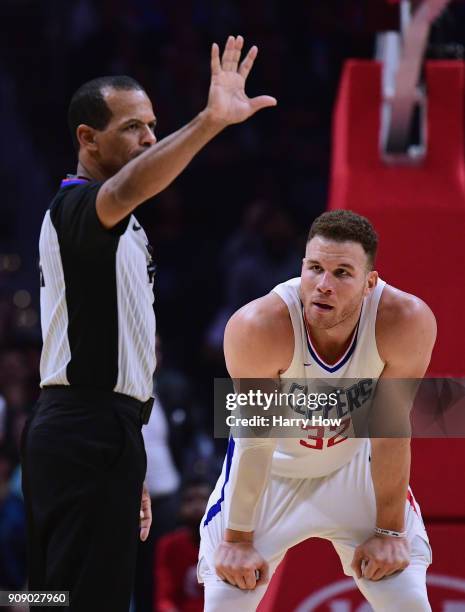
145	523
145	514
146	509
144	530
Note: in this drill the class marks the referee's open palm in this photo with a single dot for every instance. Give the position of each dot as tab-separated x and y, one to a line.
227	100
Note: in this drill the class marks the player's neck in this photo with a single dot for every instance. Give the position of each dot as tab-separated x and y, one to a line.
332	343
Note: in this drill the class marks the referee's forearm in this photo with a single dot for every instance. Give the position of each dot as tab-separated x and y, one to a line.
151	172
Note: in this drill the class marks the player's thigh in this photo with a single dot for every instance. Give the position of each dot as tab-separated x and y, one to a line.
222	597
285	510
402	592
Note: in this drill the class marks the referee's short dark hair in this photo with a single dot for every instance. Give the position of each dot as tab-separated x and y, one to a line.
88	104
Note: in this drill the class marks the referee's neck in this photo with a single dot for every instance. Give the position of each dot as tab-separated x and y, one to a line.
90	171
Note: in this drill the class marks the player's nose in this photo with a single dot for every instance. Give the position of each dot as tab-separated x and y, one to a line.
325	283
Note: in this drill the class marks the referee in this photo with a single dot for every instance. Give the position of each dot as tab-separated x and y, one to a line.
83	455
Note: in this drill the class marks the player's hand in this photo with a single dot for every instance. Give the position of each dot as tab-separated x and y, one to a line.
237	562
227	100
145	513
381	556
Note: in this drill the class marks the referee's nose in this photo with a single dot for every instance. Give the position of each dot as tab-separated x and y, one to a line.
148	137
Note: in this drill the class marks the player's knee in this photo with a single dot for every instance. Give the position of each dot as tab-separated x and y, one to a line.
414	600
417	601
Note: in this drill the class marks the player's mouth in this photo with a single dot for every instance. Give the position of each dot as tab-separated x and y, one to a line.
322	306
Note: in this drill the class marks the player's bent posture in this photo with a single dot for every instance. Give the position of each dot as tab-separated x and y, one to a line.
338	320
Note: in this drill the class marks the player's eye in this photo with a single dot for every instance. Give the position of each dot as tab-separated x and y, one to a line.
132	127
315	268
341	272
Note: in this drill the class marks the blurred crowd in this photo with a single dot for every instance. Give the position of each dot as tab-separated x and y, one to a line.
229	229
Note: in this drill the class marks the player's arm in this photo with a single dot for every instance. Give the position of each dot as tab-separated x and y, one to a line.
154	170
258	344
406	337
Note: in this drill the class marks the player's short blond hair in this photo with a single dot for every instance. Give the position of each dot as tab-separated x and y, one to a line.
345	226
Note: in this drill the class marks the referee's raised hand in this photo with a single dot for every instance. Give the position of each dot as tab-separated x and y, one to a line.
227	100
145	514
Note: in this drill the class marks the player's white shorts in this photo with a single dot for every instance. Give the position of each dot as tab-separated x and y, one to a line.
341	508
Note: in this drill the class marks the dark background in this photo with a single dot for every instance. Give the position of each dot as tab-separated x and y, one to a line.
230	227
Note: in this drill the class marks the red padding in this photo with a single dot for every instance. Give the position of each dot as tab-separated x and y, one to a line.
419	212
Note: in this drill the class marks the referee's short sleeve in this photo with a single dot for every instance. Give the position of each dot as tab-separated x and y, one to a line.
74	215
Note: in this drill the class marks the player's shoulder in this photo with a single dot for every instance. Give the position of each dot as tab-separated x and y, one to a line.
398	308
402	318
266	315
260	336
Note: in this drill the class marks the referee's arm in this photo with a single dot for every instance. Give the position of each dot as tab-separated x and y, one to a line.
154	170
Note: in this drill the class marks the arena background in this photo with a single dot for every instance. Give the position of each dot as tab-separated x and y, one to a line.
234	225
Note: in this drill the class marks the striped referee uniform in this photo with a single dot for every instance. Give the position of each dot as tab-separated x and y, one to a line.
83	455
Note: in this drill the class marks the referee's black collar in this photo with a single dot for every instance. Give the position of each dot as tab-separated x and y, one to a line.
73	179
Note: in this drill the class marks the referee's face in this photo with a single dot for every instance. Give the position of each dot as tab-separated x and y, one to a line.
130	132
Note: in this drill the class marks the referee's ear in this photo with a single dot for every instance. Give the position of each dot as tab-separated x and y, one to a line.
86	137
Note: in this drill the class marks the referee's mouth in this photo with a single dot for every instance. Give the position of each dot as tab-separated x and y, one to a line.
137	153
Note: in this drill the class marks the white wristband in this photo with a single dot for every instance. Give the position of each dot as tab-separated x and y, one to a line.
388	532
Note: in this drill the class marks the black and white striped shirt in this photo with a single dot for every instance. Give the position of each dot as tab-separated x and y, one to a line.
98	323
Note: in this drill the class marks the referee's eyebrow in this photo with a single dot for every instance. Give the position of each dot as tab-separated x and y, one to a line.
151	123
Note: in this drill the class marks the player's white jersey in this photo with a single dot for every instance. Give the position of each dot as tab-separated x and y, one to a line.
323	449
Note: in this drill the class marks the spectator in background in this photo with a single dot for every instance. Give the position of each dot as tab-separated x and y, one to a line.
256	258
12	529
162	480
171	441
18	373
177	588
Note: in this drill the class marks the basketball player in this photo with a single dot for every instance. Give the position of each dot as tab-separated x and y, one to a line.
339	320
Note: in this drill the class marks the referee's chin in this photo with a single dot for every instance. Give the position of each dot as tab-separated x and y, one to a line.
138	153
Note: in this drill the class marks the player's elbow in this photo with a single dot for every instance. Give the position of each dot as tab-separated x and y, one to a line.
383	449
420	318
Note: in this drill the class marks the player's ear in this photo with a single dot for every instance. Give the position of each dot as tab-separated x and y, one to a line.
372	280
86	137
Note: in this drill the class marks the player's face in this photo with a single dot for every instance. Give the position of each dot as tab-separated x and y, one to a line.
130	131
335	279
